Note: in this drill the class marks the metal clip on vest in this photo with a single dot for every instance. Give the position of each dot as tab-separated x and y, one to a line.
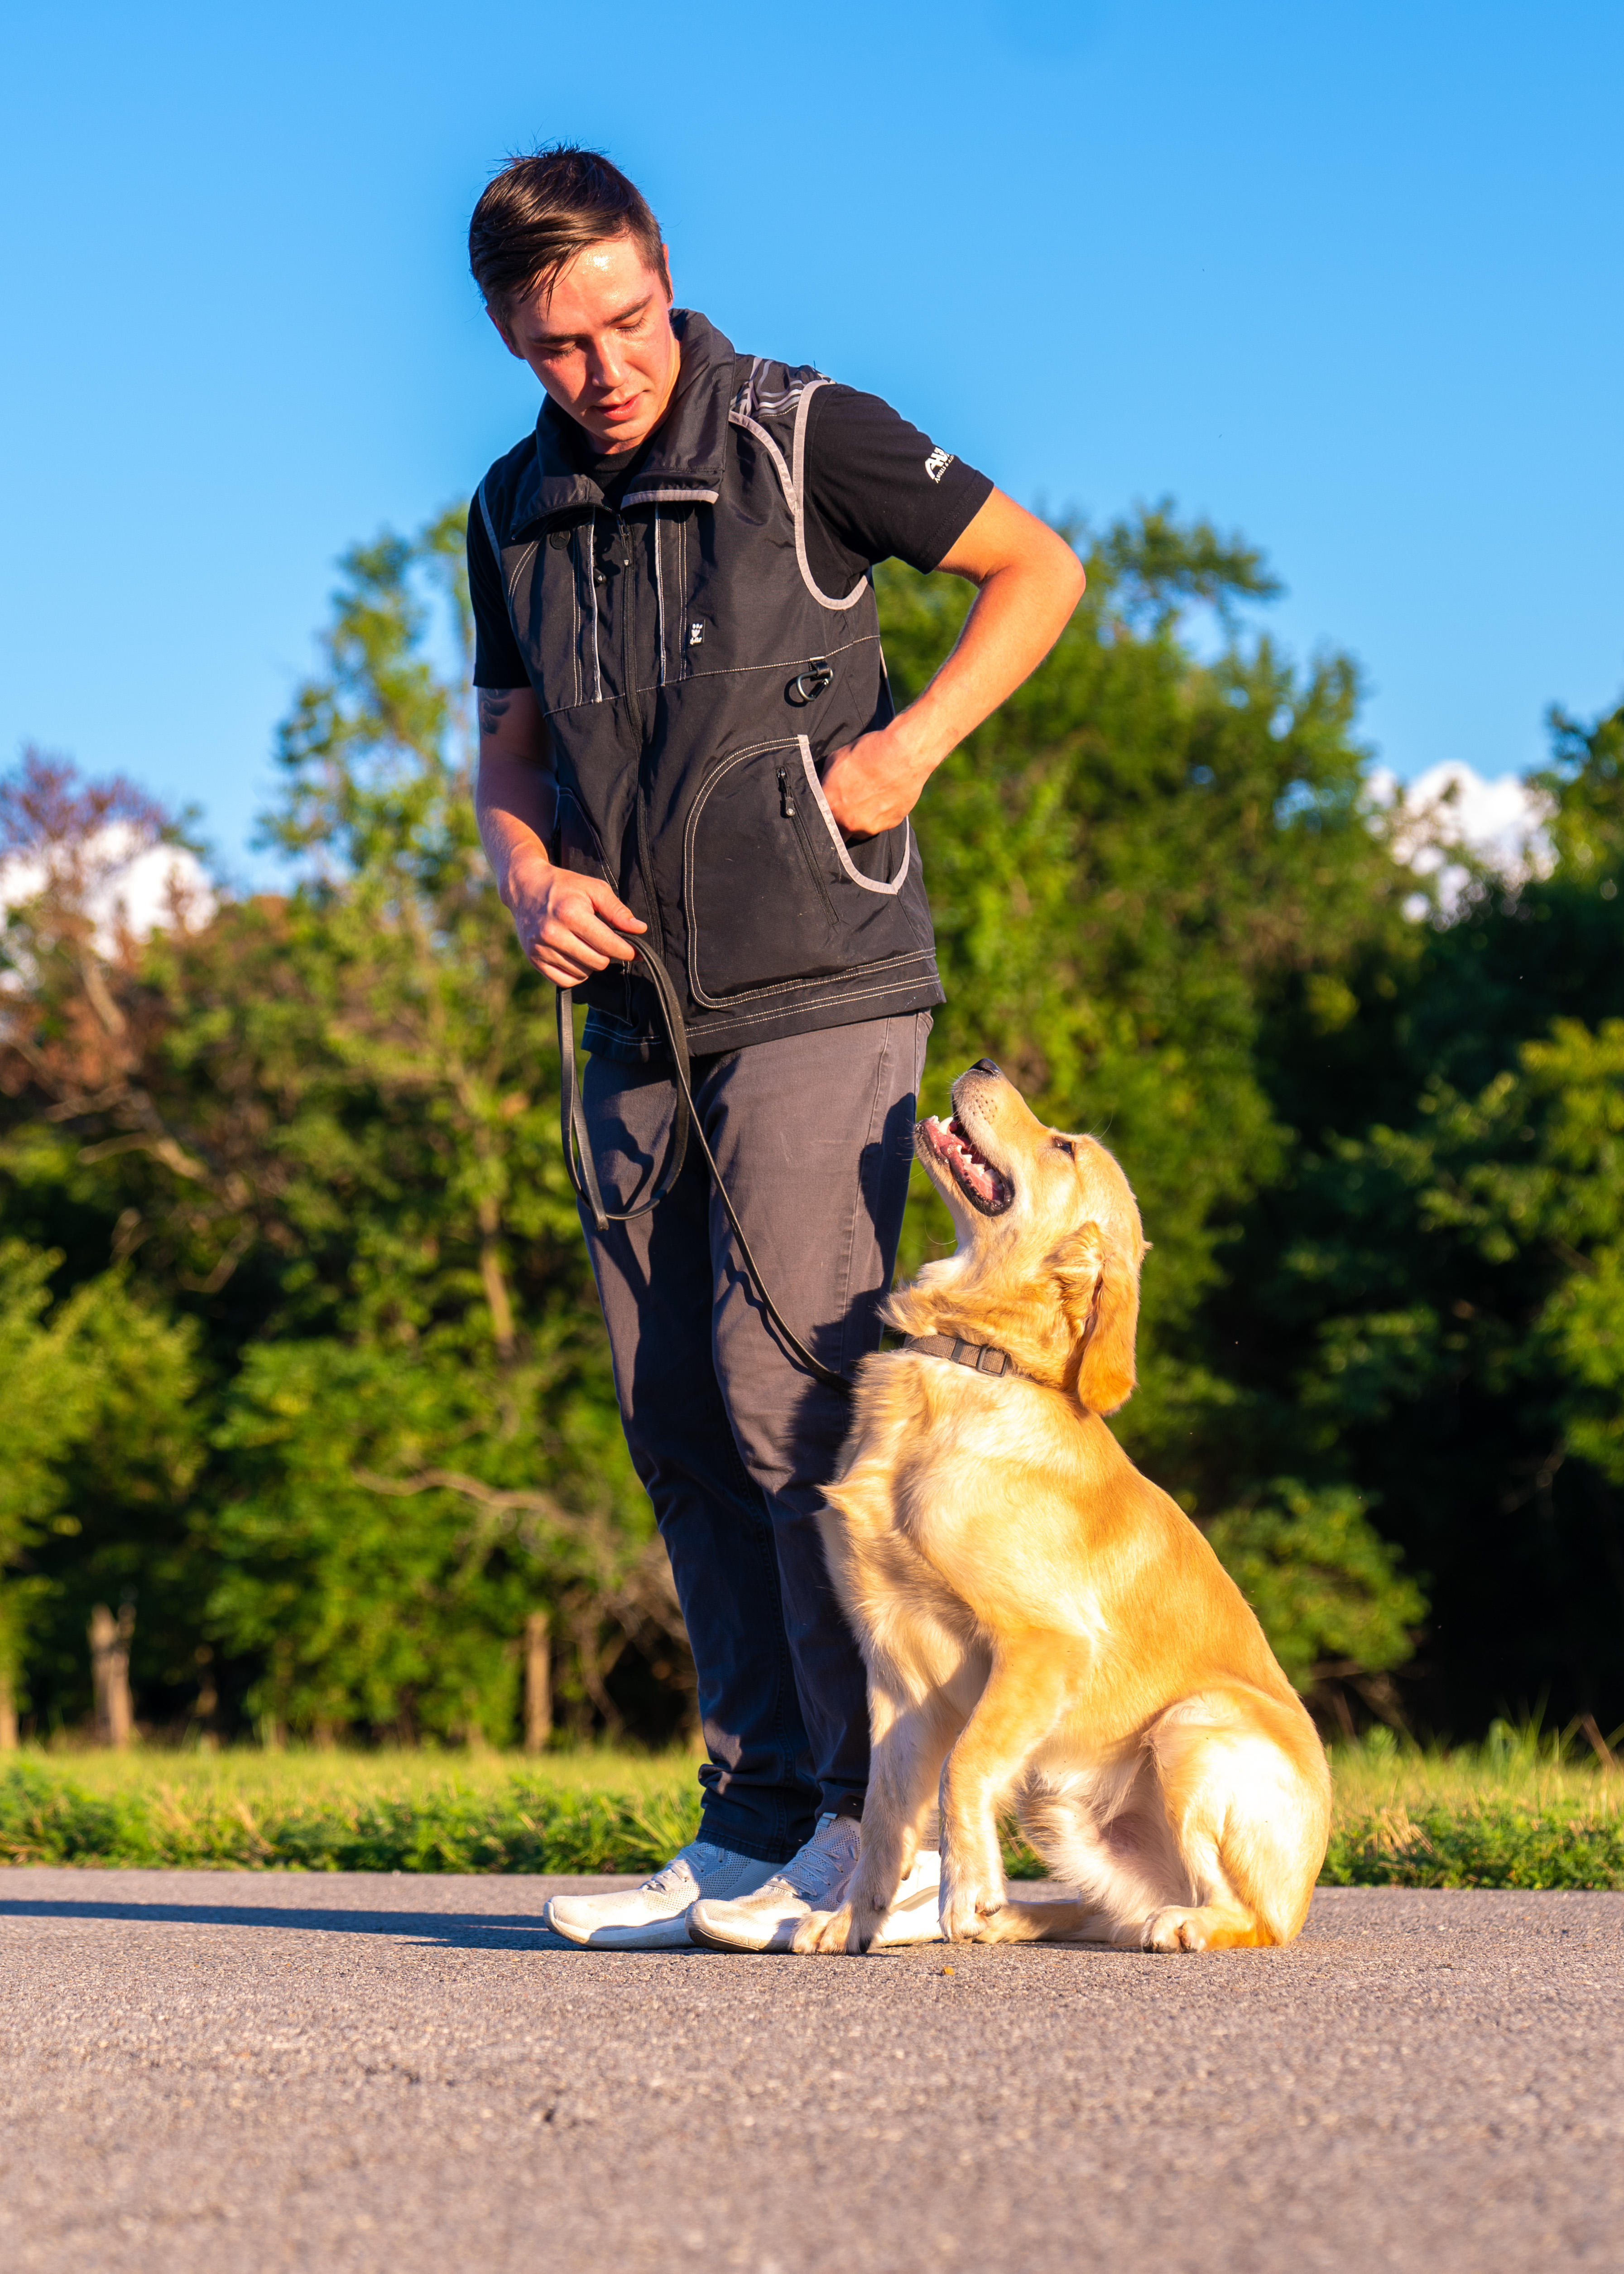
583	1173
808	685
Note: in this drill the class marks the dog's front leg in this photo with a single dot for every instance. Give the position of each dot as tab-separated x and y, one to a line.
909	1740
1023	1699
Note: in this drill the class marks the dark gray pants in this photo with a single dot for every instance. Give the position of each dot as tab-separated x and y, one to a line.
733	1440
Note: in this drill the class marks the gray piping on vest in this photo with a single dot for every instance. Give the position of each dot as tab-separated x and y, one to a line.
524	556
735	671
750	426
522	560
670	497
784	663
490	526
682	587
591	593
887	892
577	636
795	494
659	601
749	400
888	974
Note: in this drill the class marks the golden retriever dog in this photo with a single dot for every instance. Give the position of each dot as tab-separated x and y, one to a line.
1042	1624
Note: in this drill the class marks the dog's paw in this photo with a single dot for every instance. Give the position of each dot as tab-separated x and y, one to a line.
1174	1928
968	1913
838	1932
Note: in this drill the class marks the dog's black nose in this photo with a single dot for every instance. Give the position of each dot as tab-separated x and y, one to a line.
984	1065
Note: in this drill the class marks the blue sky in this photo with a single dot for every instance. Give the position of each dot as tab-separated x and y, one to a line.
1344	278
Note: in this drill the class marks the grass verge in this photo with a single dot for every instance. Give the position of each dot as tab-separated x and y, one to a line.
348	1812
1517	1812
1514	1813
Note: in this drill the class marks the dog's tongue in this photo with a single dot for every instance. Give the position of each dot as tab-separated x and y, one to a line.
976	1173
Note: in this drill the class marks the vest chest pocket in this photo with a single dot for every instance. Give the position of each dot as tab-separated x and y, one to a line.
773	894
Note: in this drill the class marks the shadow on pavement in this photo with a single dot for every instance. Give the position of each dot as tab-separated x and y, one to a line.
447	1930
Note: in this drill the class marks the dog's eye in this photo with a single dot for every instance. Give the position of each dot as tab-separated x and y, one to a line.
1065	1145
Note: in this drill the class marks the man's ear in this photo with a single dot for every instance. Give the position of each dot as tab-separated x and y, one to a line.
1099	1294
503	332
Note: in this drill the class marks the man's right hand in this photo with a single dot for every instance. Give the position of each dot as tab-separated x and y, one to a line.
569	925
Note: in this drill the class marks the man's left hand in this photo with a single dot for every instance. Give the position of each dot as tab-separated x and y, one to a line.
874	782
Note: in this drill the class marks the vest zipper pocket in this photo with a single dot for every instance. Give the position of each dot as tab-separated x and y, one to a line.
761	916
790	807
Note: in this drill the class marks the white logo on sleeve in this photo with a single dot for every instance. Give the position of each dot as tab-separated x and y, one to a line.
937	463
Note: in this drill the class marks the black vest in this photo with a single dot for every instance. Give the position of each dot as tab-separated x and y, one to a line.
693	680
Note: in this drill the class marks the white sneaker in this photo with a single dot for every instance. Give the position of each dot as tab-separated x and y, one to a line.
654	1916
815	1880
916	1914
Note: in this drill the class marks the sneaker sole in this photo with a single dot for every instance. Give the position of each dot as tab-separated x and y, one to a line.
911	1926
702	1939
658	1934
909	1931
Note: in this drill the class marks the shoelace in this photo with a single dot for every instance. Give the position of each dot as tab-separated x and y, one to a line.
690	1863
817	1868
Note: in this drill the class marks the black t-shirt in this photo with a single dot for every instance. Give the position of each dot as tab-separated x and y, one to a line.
876	490
613	472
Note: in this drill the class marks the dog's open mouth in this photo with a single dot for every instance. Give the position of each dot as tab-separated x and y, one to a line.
985	1187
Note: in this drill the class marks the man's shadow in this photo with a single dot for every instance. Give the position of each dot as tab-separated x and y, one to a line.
435	1929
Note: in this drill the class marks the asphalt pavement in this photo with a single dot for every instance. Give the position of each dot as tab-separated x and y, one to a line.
232	2070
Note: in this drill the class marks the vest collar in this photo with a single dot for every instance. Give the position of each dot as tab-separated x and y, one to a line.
682	464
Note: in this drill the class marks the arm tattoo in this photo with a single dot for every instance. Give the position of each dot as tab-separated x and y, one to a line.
494	703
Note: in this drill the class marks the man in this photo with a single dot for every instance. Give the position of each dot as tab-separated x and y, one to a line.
687	739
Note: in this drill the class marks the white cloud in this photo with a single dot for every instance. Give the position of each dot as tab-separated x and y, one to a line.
128	883
1501	824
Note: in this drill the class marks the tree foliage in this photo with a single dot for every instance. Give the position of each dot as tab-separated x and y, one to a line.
305	1356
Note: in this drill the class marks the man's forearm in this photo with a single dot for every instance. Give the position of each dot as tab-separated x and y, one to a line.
569	925
1016	618
514	802
1030	580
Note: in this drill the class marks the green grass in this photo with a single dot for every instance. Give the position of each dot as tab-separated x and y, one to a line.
1517	1813
333	1811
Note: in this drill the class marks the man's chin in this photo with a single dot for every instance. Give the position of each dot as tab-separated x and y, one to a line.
618	433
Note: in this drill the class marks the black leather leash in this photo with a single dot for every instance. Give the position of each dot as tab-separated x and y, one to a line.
583	1176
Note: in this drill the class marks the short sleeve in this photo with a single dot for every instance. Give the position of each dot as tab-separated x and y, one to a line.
497	660
879	490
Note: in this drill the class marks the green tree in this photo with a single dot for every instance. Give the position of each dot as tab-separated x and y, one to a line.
102	1447
323	1126
448	1347
1424	1302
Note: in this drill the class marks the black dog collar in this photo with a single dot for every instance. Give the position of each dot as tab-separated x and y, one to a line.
986	1357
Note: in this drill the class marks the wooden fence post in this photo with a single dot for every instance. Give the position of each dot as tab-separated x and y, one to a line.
8	1713
110	1673
538	1683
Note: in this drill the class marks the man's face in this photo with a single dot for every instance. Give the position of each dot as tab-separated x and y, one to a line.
600	342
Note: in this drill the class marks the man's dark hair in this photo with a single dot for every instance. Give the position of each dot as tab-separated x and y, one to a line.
540	211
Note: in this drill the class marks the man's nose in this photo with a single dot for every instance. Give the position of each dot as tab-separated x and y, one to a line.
986	1066
605	363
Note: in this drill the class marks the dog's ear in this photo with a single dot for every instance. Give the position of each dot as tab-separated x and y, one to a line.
1099	1294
